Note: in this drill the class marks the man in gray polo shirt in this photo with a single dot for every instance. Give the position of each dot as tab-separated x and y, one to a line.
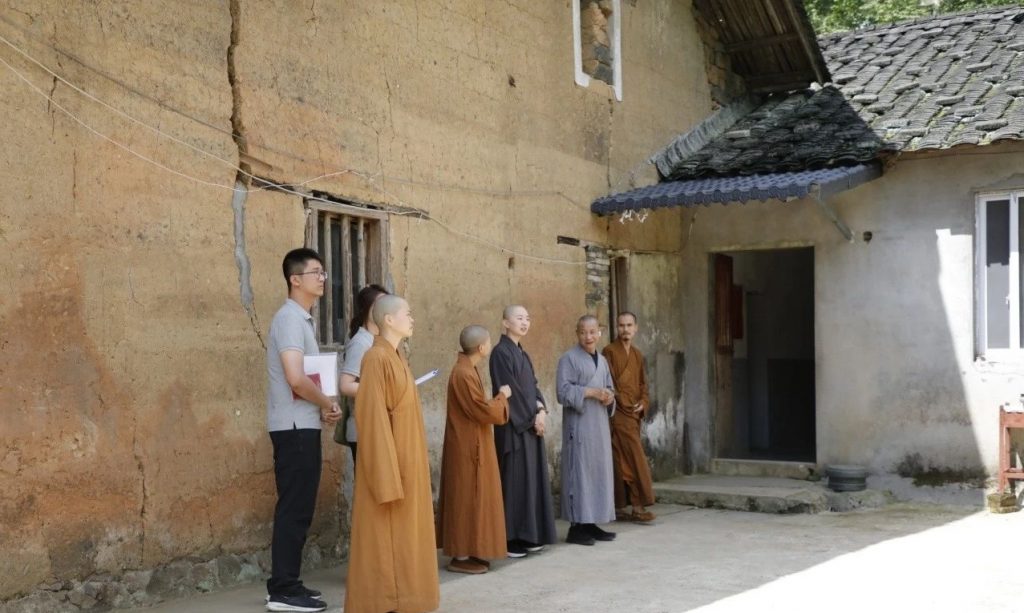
295	408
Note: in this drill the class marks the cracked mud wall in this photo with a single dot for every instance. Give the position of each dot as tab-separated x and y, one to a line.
131	377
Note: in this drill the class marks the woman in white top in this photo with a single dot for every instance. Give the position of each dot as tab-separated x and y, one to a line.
361	332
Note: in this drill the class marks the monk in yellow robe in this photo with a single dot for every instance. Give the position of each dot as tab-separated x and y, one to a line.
393	560
470	510
632	474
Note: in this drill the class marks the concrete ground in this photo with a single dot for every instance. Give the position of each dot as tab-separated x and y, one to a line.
898	558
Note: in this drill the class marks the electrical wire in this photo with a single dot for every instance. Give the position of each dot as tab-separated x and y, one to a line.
269	185
492	192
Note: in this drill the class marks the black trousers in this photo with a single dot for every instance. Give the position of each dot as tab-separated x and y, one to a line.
297	473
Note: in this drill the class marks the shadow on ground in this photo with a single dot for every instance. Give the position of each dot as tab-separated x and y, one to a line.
713	561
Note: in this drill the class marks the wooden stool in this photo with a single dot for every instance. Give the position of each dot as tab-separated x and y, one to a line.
1008	420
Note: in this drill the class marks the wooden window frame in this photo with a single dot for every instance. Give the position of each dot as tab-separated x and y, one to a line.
372	265
980	286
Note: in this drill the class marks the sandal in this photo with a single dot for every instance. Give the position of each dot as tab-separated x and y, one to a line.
643	517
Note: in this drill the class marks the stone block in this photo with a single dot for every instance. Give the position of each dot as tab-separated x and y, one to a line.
250	572
595	35
262	559
118	596
592	16
604	72
1002	503
39	602
136	580
603	53
205	577
172	580
228	569
312	555
83	596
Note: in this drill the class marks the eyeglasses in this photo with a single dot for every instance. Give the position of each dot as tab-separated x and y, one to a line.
320	273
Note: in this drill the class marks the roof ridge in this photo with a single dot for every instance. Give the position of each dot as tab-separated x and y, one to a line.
882	27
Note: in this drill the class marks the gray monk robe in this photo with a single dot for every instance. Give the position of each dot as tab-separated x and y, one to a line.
525	488
587	484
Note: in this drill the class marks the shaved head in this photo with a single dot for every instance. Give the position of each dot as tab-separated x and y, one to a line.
586	319
386	305
515	319
472	337
510	310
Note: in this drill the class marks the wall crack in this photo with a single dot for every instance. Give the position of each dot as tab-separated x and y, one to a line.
242	178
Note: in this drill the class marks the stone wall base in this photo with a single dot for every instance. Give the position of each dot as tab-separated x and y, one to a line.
140	588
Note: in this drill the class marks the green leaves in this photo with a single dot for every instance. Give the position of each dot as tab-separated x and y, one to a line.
839	15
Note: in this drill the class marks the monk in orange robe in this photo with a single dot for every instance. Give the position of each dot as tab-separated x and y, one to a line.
632	474
393	561
470	510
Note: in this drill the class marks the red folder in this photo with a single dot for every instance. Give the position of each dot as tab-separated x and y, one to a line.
315	378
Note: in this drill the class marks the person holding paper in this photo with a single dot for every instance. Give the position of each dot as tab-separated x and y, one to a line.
393	559
587	396
529	511
361	332
632	474
295	408
470	517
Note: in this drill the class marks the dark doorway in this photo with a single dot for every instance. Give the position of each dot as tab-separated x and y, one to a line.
764	354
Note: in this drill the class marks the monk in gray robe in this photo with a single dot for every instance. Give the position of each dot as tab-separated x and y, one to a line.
587	395
522	461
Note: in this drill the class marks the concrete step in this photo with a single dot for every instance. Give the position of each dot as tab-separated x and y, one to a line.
762	468
763	495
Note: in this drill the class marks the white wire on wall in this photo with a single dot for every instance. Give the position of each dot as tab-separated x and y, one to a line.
371	179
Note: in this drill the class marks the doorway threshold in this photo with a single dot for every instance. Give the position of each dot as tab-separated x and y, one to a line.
729	467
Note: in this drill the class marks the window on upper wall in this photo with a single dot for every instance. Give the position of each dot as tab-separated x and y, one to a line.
352	242
998	277
597	41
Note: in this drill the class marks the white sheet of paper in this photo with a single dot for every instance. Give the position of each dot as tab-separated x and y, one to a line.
427	377
325	365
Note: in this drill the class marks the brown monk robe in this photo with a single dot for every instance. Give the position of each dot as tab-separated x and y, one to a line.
632	474
393	560
470	510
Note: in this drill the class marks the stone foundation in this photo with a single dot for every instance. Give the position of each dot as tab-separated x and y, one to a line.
141	588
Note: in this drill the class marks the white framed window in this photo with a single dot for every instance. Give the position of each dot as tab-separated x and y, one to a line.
998	275
597	42
352	240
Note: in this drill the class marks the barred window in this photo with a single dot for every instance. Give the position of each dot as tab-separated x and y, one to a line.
352	242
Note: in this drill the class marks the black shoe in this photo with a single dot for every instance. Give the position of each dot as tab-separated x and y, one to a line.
303	591
599	534
531	547
516	549
578	535
295	603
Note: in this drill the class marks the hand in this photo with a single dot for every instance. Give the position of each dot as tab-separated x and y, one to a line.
607	397
332	413
539	424
505	391
639	408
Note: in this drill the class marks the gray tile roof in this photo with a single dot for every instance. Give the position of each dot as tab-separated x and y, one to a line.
781	186
927	84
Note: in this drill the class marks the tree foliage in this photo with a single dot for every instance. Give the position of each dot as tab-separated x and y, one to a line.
839	15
